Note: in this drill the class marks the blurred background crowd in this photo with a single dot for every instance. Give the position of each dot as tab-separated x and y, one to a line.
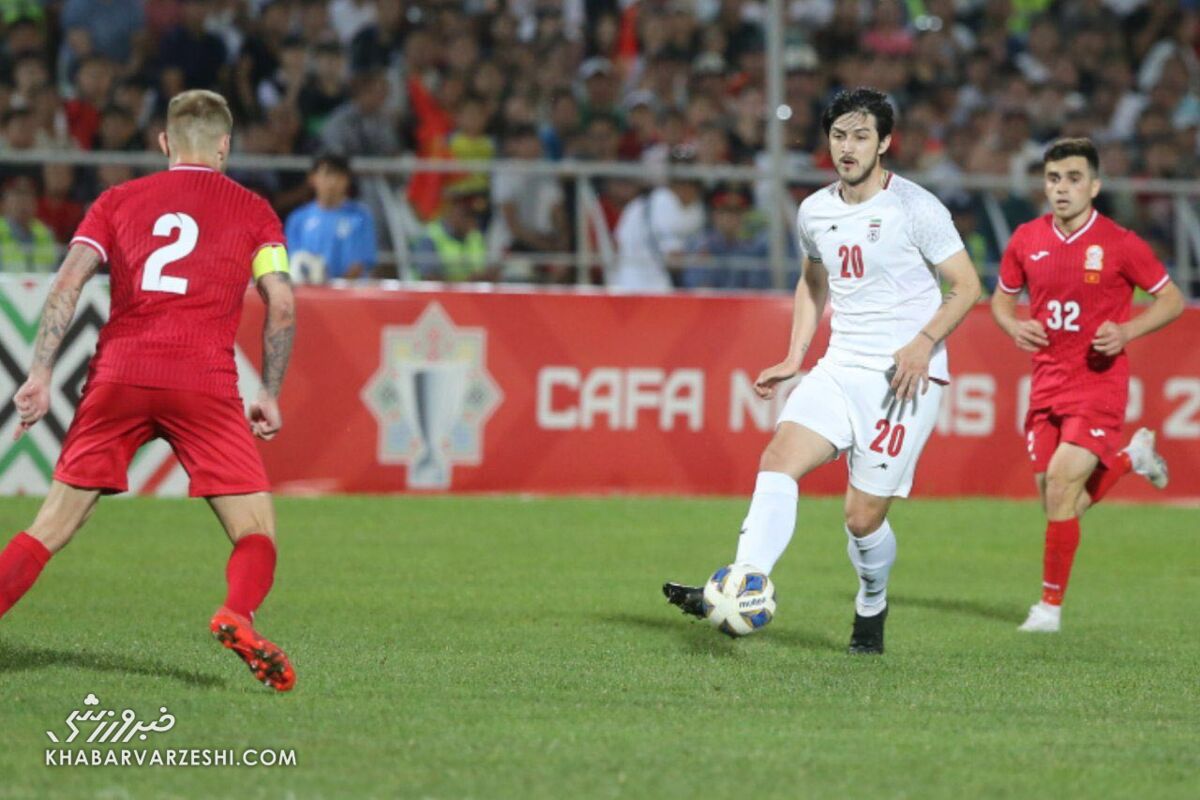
980	86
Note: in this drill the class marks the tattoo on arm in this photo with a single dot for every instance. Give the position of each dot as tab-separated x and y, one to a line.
80	264
279	332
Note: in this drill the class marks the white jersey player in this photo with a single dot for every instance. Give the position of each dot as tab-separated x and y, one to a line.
876	245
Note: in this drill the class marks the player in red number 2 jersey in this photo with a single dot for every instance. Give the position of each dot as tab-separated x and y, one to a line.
181	246
1080	269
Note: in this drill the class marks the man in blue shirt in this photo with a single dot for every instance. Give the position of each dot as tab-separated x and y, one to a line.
333	236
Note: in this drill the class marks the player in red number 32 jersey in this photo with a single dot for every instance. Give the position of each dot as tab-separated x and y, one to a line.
1080	269
182	246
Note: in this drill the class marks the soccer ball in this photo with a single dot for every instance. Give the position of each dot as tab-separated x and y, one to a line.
739	600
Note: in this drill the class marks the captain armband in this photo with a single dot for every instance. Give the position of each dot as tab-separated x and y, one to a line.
272	258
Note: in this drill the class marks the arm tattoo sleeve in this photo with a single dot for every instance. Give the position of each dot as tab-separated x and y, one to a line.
279	332
80	264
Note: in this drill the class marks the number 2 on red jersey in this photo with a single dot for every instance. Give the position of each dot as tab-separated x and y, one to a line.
153	279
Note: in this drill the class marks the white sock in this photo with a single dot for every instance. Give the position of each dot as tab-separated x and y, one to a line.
770	521
872	557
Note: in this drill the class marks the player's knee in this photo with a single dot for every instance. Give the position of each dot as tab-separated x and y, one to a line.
1061	492
774	458
863	521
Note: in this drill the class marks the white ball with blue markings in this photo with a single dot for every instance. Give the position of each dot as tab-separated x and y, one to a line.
739	600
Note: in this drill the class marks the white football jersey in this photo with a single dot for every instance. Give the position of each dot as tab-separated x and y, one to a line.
879	256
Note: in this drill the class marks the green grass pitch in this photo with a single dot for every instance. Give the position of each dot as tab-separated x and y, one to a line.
452	647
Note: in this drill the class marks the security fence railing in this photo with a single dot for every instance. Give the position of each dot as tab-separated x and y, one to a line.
986	209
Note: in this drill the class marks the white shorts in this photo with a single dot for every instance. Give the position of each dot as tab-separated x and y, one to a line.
854	409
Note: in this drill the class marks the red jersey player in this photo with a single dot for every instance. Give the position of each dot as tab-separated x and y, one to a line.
1080	269
181	246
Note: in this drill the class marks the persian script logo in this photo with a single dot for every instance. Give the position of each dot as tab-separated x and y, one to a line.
432	397
111	727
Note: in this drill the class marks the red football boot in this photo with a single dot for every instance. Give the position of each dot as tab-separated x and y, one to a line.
268	663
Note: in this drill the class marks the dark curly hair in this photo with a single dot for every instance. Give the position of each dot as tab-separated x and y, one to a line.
864	99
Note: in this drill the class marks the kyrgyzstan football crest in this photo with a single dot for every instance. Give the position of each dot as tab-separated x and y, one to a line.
432	397
873	229
1093	262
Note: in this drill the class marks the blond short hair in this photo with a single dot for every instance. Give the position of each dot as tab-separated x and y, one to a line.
197	119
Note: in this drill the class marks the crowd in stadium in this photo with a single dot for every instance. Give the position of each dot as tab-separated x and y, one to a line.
981	86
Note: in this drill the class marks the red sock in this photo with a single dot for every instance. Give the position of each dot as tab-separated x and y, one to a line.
1062	539
250	573
1104	477
20	564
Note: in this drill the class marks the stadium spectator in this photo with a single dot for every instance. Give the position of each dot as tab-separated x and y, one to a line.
454	248
326	88
114	29
529	207
118	130
379	44
362	126
57	207
728	254
260	58
470	142
654	231
285	82
26	243
350	17
93	86
333	236
600	89
560	125
30	76
20	133
198	54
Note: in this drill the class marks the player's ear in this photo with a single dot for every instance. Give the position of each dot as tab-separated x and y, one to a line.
884	144
162	144
1095	188
223	147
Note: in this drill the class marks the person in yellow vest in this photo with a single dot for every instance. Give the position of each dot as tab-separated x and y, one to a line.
26	243
454	248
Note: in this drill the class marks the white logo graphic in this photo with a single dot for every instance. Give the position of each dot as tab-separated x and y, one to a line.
431	397
111	727
1097	432
1093	258
1039	255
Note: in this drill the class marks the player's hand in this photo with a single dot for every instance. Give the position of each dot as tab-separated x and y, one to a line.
912	367
264	416
771	377
1030	336
1110	338
32	401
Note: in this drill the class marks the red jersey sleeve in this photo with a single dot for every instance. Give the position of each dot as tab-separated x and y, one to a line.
96	230
1012	270
267	229
1140	266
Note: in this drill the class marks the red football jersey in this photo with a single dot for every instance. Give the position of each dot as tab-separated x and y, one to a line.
179	245
1076	283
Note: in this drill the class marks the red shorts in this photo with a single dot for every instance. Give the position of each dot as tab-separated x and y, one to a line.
209	435
1045	430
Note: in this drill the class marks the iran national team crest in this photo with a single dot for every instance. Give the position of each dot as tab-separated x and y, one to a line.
873	229
431	397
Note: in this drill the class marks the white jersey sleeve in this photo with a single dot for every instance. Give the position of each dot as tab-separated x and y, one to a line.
929	223
808	248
